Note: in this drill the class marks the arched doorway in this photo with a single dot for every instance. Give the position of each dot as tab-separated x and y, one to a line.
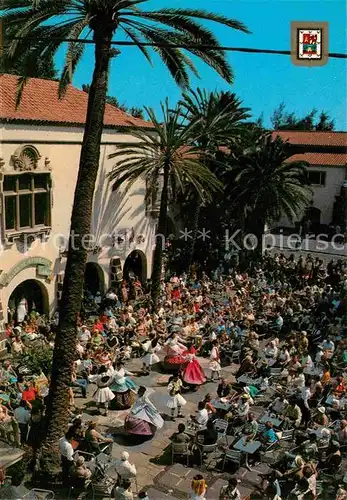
35	295
93	278
312	218
135	266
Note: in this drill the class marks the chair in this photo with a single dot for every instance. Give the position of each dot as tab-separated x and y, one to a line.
78	486
207	449
104	488
38	494
287	435
181	449
233	456
96	448
221	427
235	357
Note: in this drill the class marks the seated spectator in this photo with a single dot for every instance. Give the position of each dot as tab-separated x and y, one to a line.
342	433
251	426
181	436
292	414
201	414
321	418
326	377
230	491
279	405
333	459
269	435
224	389
79	470
94	437
301	491
209	435
209	406
124	492
66	455
309	448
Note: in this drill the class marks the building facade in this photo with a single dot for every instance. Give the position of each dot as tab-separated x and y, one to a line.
326	154
39	160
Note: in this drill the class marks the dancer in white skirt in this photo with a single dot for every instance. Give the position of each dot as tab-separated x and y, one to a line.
215	360
103	395
175	399
150	358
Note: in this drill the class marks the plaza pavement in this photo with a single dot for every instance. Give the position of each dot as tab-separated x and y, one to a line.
155	474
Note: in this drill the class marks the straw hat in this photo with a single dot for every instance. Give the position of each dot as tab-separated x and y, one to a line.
321	409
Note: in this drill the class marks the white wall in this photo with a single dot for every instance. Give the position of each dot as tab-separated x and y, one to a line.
112	211
324	196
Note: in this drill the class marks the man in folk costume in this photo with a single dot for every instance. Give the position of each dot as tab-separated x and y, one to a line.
175	400
215	360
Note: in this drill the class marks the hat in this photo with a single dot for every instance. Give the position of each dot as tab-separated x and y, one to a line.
245	396
304	333
124	456
299	461
321	409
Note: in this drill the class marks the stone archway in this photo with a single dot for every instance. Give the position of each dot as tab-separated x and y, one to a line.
35	294
135	265
94	278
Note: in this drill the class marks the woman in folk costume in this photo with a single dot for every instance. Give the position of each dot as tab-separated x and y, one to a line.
193	373
143	419
175	348
123	388
175	399
215	360
150	358
199	488
103	394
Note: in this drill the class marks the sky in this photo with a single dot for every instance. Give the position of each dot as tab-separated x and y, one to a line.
262	81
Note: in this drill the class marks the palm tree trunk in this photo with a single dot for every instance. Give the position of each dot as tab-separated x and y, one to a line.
256	225
158	252
65	342
191	249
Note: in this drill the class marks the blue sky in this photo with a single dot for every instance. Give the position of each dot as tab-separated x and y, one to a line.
262	81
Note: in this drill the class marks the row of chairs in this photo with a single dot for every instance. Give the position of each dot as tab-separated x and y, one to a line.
236	457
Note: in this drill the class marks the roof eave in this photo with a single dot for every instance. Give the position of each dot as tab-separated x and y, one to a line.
71	124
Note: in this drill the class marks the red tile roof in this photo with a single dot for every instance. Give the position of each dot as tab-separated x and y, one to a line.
40	103
313	138
331	159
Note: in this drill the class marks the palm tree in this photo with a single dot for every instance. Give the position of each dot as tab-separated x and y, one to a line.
263	185
219	121
39	28
171	151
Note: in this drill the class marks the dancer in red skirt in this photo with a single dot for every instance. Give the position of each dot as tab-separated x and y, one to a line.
193	373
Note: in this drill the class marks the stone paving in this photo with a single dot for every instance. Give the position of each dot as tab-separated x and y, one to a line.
155	474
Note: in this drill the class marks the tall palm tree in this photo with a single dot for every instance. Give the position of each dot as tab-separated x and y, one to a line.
219	120
39	28
263	185
171	151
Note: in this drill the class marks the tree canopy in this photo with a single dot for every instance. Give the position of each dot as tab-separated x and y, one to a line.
283	120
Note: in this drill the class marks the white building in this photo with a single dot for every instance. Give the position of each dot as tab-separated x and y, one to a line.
39	159
326	154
